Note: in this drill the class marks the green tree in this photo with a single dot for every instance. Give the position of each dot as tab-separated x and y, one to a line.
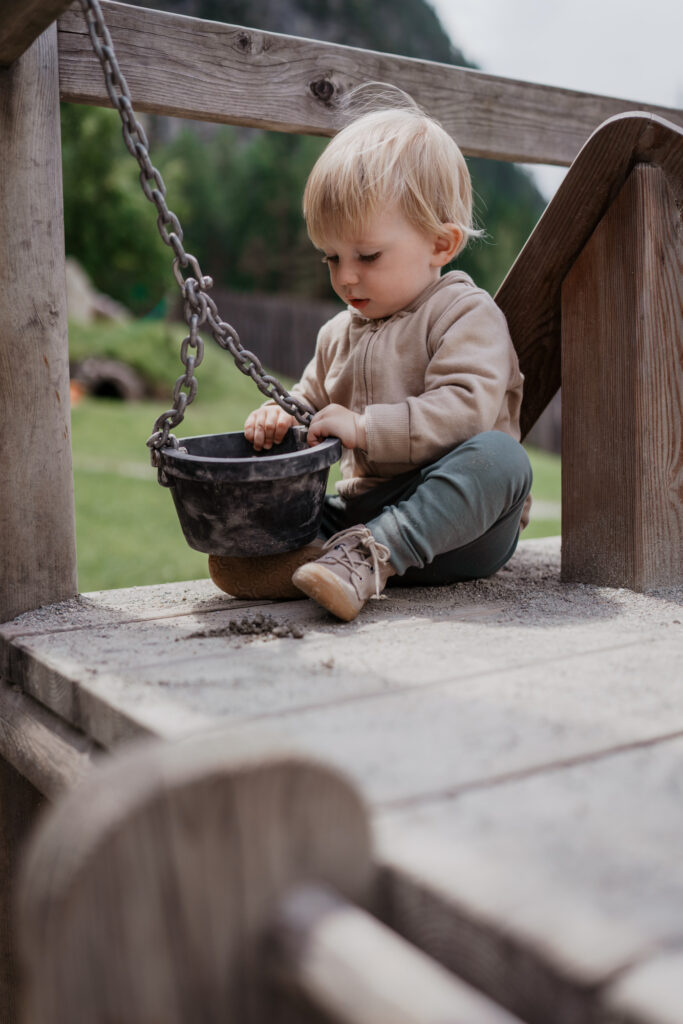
110	225
241	191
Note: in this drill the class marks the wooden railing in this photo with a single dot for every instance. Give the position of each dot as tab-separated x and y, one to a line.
244	873
201	69
593	299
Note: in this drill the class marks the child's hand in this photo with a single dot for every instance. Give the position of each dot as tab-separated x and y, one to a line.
337	421
267	426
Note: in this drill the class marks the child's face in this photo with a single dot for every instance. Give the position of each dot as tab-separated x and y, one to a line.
386	266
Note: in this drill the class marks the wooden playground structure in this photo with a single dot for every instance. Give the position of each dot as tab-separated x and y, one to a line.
220	870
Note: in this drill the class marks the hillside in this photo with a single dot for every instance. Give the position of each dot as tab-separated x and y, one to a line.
407	27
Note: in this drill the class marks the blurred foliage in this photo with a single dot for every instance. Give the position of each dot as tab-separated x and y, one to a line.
152	348
507	205
110	225
242	191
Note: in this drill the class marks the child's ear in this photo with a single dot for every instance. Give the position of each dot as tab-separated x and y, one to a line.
446	245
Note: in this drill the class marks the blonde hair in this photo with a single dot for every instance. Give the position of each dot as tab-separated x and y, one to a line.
395	155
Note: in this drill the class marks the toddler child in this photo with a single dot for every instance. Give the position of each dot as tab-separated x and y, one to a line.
417	377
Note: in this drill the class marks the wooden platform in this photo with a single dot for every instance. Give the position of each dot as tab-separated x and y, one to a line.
519	742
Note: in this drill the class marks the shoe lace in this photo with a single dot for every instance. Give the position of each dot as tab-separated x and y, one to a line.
355	555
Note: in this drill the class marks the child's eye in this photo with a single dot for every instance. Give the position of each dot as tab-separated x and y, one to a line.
370	257
330	259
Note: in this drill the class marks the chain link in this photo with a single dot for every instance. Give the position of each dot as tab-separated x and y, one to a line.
198	307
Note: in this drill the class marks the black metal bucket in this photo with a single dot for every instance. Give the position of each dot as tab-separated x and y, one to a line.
232	500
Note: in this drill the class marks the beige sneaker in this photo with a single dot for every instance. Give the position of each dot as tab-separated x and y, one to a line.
264	576
355	568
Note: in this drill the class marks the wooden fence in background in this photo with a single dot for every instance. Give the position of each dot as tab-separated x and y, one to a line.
281	329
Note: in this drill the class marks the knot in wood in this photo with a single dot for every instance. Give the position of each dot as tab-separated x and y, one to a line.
322	89
244	41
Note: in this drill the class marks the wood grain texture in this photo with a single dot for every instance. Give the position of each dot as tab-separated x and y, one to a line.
22	22
622	372
559	895
37	532
211	71
20	804
149	890
530	295
357	971
50	754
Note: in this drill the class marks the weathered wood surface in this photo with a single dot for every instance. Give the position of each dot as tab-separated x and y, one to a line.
519	693
37	534
177	859
573	876
622	375
530	296
46	751
22	22
211	71
20	805
131	675
357	971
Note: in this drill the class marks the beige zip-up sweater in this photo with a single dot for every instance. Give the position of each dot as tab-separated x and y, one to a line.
427	378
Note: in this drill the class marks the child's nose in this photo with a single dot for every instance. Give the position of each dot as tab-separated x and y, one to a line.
347	273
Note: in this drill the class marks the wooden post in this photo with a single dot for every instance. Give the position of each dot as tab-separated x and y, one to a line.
219	879
37	533
22	22
148	892
20	803
622	388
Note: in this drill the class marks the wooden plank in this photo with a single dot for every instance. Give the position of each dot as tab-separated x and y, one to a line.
148	893
449	720
37	532
20	805
542	891
650	992
622	373
530	295
357	971
210	71
46	751
22	22
106	608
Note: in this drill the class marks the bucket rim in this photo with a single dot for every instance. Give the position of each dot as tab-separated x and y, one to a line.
301	462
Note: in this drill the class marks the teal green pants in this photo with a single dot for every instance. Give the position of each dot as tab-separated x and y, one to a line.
454	520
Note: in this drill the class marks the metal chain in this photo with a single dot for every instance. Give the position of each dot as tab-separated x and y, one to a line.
199	309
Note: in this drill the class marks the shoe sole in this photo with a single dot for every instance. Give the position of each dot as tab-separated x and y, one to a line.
323	586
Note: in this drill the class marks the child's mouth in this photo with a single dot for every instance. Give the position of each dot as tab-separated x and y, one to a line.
358	303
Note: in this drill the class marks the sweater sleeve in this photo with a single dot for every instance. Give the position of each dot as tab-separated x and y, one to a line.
470	365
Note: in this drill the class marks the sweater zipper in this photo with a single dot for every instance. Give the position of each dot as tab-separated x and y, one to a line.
374	331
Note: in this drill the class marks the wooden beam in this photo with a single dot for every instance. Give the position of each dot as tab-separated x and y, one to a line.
22	22
622	373
48	752
20	806
37	531
184	849
530	295
355	970
215	72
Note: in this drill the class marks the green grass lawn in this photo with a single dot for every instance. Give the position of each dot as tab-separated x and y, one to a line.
127	530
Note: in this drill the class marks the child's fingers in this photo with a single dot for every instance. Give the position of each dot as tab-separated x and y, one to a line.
284	422
267	426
